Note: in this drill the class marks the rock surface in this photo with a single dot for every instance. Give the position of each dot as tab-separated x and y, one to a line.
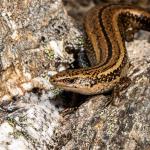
29	31
97	126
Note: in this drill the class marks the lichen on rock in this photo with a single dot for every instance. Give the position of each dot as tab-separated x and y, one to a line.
27	30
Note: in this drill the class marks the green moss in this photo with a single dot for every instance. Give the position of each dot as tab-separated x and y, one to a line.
56	91
81	41
49	53
11	121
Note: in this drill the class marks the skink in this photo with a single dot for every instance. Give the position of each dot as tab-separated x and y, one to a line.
107	29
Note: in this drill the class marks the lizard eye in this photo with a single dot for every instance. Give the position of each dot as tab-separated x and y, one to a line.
69	81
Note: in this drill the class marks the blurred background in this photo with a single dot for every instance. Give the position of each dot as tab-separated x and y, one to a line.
77	8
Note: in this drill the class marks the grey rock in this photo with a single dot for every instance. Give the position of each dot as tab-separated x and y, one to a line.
33	120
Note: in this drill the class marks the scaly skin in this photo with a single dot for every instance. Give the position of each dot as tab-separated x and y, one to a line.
107	28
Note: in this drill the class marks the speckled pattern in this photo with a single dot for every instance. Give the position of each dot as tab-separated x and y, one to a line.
112	24
29	34
96	125
33	121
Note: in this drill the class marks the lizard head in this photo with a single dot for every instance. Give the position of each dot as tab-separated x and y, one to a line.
71	81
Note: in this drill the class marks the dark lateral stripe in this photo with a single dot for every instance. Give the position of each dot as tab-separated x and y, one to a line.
109	44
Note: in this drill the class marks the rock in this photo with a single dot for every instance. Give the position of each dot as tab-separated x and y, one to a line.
33	35
96	125
30	31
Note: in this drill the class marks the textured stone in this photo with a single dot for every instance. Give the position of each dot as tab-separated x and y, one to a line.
29	32
94	125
